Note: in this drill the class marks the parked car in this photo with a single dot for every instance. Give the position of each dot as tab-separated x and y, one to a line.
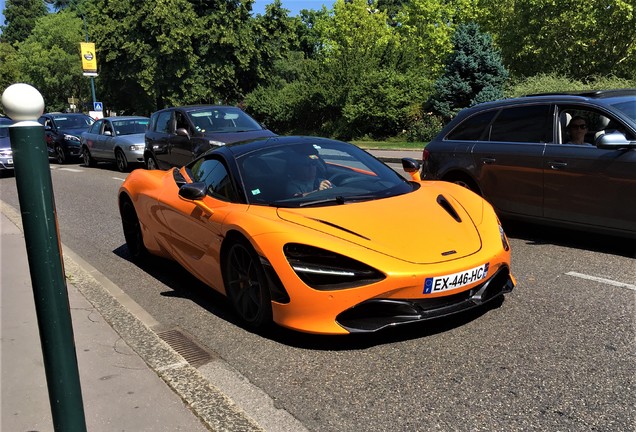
520	154
115	139
6	154
62	132
365	249
177	135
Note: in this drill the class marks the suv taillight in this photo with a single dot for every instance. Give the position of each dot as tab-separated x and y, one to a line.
425	155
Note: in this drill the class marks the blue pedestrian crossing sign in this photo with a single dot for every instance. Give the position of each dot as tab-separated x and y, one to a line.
97	106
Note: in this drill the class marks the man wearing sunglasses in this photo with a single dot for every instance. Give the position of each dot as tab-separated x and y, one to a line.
577	128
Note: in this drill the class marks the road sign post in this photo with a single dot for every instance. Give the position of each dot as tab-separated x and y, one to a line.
24	104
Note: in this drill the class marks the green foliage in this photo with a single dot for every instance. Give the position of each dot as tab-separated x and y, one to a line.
49	59
576	39
553	83
424	129
19	19
473	73
10	70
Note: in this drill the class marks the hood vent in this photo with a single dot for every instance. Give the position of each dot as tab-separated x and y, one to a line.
442	201
341	228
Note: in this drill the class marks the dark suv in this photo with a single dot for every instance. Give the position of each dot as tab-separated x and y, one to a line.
177	135
562	159
62	133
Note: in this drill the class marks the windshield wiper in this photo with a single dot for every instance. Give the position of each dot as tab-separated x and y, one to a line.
336	200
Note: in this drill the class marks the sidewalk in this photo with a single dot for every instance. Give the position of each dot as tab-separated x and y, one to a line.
120	392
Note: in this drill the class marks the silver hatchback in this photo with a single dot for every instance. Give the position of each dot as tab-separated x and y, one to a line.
561	159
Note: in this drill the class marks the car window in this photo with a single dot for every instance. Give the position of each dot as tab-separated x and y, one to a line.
596	122
472	129
218	182
182	121
96	127
130	126
164	122
225	119
73	121
522	124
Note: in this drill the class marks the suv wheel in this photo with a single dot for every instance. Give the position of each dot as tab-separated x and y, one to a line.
60	154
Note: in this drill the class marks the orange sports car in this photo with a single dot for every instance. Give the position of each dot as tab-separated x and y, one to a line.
319	236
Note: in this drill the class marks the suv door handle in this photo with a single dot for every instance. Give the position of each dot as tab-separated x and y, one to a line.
557	165
488	161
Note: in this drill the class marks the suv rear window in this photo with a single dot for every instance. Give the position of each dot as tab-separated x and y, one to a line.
522	124
472	129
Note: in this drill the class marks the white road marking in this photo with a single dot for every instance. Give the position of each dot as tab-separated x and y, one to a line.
117	178
602	280
71	169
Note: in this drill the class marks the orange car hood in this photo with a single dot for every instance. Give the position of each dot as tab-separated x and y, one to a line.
412	227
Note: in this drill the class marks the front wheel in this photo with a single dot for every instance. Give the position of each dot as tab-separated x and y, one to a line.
60	154
151	163
132	231
246	286
87	158
120	160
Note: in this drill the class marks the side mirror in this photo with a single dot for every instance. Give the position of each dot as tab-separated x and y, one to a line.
183	132
412	168
48	127
195	192
613	140
108	133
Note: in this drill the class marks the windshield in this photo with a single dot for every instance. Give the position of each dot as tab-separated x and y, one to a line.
4	127
130	126
628	108
73	122
222	120
322	173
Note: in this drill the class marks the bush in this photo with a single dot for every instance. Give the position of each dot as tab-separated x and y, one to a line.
424	129
553	83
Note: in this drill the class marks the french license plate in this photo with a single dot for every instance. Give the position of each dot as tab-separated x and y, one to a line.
455	280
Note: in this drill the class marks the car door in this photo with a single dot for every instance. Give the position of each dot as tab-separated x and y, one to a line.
107	140
197	230
509	159
99	148
589	185
91	137
159	138
181	151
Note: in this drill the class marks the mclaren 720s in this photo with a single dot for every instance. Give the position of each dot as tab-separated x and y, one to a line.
318	236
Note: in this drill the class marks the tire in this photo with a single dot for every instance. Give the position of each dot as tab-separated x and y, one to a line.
246	286
120	160
151	163
87	158
60	155
463	181
132	231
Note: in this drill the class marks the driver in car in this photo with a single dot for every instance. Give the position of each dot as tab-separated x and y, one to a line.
304	178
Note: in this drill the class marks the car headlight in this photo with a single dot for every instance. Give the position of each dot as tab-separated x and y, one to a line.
504	238
74	138
136	147
327	271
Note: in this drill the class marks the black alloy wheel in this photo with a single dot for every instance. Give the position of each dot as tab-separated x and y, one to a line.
120	159
60	155
87	158
132	231
151	163
246	286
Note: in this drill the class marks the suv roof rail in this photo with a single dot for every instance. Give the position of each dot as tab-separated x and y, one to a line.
591	93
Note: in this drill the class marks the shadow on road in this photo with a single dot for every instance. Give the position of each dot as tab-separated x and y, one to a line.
183	285
541	234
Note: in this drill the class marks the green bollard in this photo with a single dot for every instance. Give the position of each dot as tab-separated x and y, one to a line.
24	104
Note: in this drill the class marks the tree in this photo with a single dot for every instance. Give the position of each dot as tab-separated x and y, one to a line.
49	59
577	39
19	19
473	73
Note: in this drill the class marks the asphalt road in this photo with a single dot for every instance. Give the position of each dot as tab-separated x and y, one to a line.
558	354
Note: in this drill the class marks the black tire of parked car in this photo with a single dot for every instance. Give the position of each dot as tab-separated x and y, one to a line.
87	158
120	159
